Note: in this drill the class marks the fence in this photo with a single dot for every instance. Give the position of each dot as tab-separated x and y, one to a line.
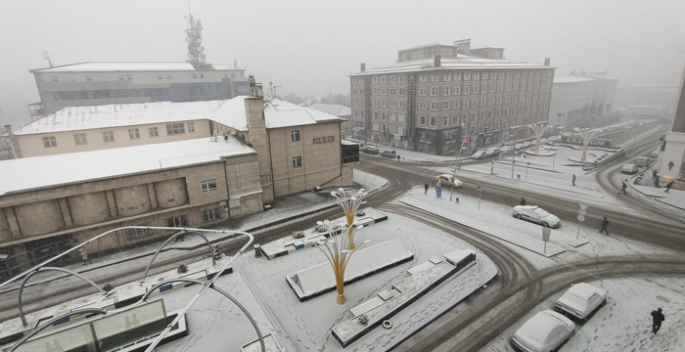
621	153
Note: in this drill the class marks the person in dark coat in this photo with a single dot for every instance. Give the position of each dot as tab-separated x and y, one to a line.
669	185
523	201
605	223
573	179
398	158
425	187
654	173
623	187
657	318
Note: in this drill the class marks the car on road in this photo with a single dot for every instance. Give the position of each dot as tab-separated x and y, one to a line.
370	150
630	169
534	213
492	151
446	180
389	154
479	155
581	300
544	332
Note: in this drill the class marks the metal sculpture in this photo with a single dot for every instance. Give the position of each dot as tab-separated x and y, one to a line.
350	203
587	135
539	130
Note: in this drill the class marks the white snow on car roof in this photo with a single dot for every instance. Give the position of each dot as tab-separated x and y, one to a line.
584	290
541	325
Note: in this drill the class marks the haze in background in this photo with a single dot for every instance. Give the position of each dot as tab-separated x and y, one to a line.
309	46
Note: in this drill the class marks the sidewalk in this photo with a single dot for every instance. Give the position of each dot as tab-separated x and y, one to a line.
673	201
284	209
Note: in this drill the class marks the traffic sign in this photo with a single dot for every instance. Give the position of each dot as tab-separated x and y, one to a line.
581	218
582	212
545	234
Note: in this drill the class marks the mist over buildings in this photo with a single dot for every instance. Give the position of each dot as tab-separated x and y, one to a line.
309	47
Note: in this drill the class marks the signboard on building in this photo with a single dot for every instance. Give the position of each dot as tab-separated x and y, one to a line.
319	140
593	142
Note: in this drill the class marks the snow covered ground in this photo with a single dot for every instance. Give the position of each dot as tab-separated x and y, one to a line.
307	324
624	323
369	181
526	238
408	155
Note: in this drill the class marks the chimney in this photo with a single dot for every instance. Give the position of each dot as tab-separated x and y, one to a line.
437	61
8	127
256	90
363	67
547	61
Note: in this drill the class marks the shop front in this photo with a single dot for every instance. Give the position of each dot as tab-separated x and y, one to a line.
445	141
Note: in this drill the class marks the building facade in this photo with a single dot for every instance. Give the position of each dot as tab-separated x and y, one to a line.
421	104
571	99
673	159
104	83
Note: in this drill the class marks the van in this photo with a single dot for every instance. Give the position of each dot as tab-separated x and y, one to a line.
641	161
630	169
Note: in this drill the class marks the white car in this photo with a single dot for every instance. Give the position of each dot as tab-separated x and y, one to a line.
535	214
546	331
581	300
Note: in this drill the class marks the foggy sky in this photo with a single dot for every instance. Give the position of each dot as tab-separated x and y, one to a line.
310	46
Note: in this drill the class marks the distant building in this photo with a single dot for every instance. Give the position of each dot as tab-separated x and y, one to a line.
104	83
340	111
582	100
673	160
440	96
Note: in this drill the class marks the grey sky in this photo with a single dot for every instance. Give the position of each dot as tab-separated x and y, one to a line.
309	46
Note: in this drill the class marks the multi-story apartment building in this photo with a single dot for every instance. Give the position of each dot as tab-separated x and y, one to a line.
103	83
571	100
436	104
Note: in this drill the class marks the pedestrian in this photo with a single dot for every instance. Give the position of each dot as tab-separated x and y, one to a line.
573	180
656	181
523	201
84	255
654	174
624	185
425	187
657	318
398	158
669	185
605	223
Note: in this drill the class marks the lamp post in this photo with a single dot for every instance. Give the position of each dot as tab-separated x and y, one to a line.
479	196
554	158
456	167
513	156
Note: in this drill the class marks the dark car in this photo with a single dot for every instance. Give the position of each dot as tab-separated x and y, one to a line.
389	154
370	150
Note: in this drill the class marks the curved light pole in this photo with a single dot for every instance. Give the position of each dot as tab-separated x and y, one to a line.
539	130
587	135
338	254
27	277
211	251
350	202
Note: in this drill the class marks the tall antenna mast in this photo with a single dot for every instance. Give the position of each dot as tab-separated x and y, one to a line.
46	55
194	39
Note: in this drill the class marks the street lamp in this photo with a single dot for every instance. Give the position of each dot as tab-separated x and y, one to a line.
456	163
513	155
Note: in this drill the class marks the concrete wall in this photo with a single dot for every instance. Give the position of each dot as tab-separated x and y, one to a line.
32	144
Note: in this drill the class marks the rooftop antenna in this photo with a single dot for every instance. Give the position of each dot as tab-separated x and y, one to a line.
46	55
235	63
194	38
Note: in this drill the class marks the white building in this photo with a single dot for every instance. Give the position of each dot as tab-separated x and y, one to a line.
571	99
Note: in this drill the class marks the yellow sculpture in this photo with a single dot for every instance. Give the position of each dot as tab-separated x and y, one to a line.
350	203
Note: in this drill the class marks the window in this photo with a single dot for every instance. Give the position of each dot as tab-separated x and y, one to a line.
498	113
133	133
133	234
474	103
434	105
445	120
375	115
508	87
384	103
89	78
537	84
423	78
108	136
516	86
455	120
56	79
403	78
393	91
435	77
384	91
447	77
80	139
492	88
467	89
456	104
523	85
208	185
295	136
467	76
175	128
476	76
445	105
483	101
211	214
515	99
446	90
375	103
509	74
393	104
297	161
402	104
457	76
402	91
517	74
500	87
179	221
393	79
422	120
361	91
490	114
354	91
501	75
537	74
476	89
422	105
491	101
153	132
485	75
384	79
400	117
129	77
484	88
159	76
499	100
507	99
49	142
435	91
481	115
375	91
423	91
525	74
505	113
434	120
168	76
456	91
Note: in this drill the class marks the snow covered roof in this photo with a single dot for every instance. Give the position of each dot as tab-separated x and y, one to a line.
126	67
20	174
333	109
463	62
430	45
281	113
571	79
104	116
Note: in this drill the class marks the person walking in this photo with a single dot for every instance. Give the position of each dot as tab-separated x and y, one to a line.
669	185
425	187
654	174
657	318
573	180
84	255
398	158
624	185
523	201
605	223
656	180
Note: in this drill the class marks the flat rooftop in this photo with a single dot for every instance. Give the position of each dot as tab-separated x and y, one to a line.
462	62
571	79
130	67
17	175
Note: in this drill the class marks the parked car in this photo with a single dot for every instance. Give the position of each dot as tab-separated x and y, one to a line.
641	161
492	151
629	169
389	154
581	300
446	180
479	155
535	214
370	150
518	146
544	332
505	150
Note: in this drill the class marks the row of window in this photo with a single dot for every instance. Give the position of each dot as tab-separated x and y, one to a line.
459	90
130	77
210	90
133	133
464	117
458	76
444	121
457	104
